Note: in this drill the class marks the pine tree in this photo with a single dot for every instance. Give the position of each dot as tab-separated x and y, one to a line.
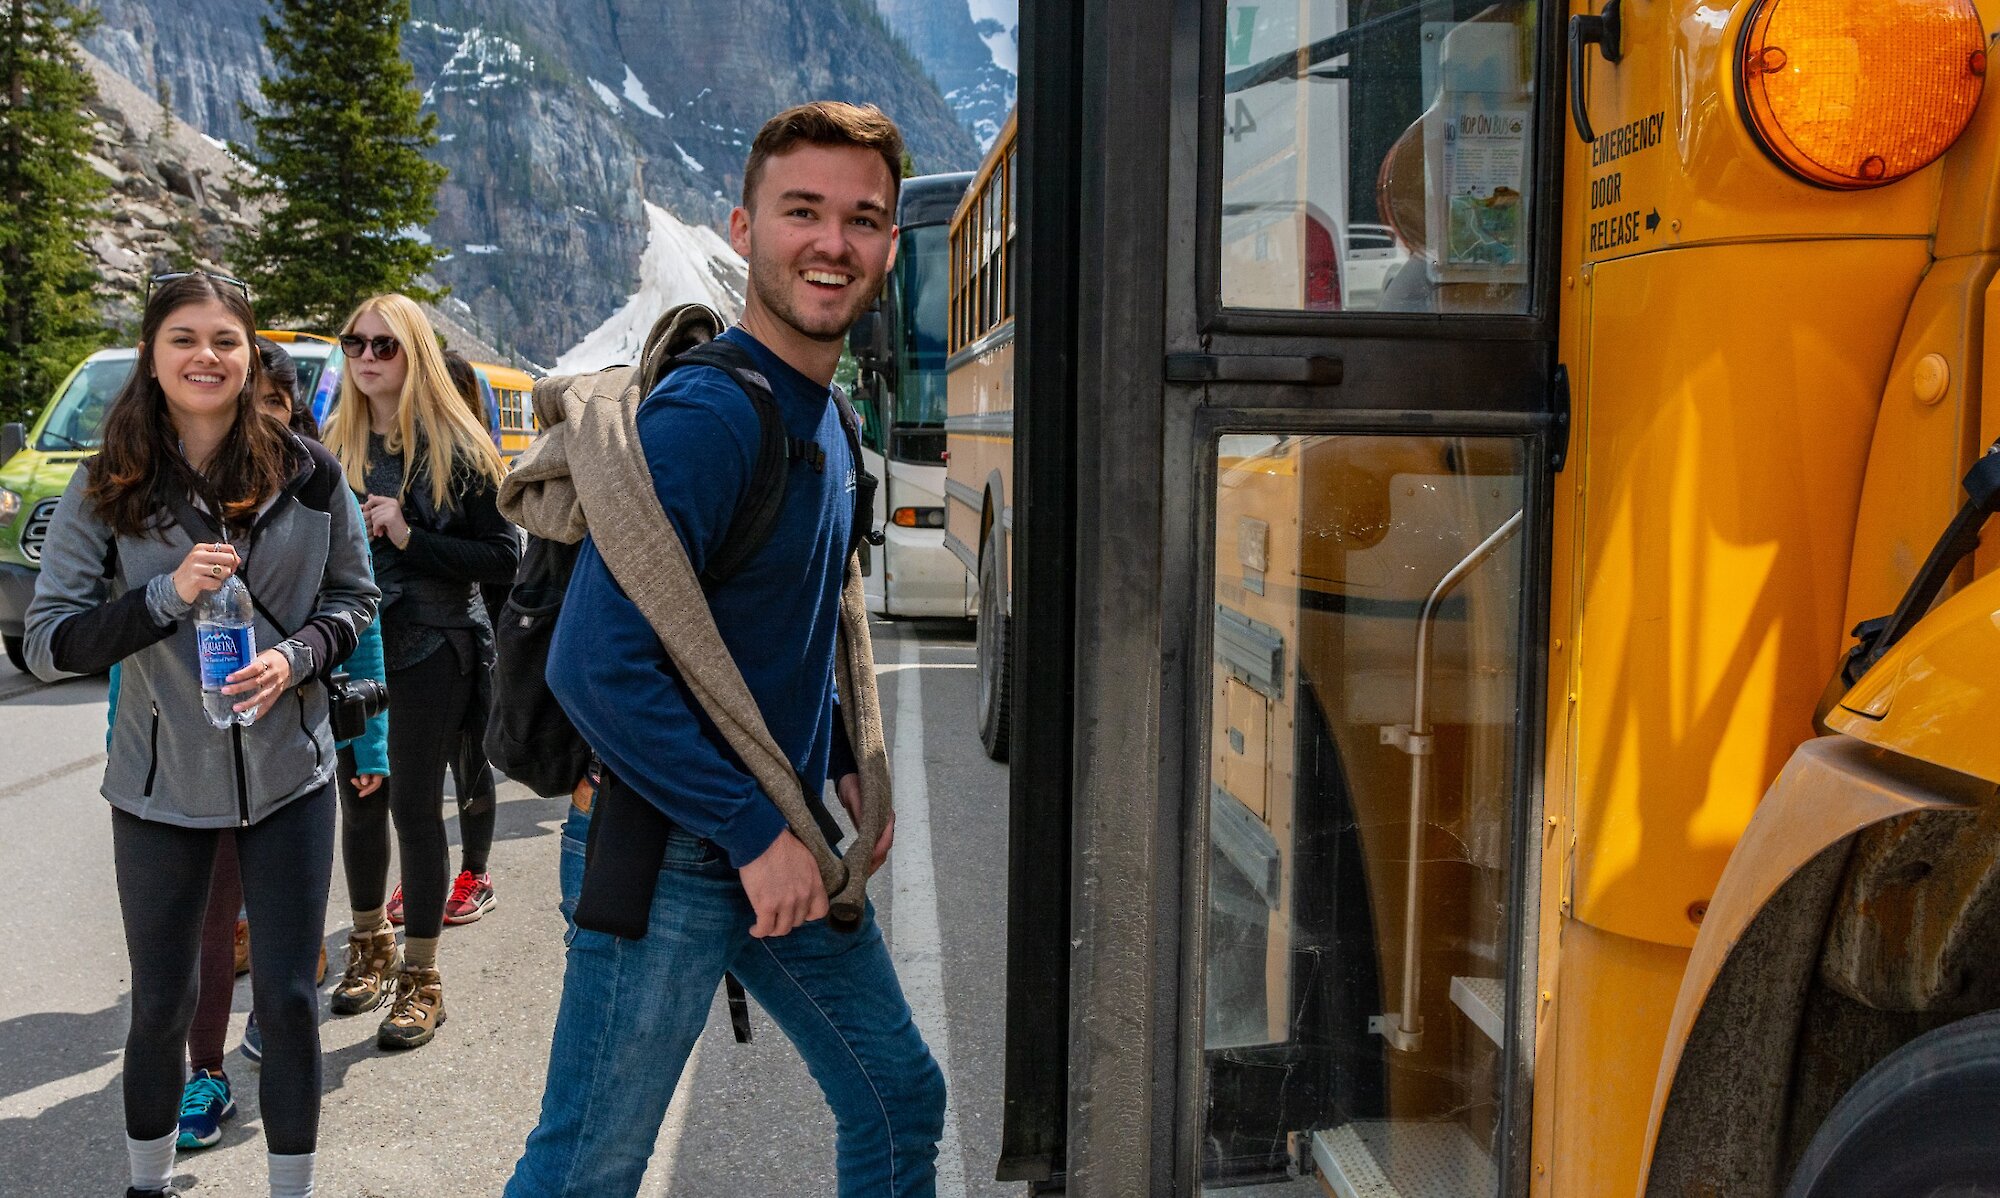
341	157
48	194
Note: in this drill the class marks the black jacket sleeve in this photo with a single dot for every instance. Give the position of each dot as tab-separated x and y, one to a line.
93	641
481	545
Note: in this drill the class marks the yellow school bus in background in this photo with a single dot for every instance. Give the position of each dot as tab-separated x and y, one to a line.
513	394
1568	761
979	420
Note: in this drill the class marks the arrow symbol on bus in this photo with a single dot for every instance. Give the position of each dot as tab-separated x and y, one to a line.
1652	220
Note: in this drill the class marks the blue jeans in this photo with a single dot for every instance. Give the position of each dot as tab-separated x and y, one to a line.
632	1009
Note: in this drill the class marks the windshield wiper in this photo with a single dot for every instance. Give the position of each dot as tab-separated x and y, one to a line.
72	442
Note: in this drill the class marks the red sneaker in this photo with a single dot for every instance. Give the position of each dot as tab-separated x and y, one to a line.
395	906
471	897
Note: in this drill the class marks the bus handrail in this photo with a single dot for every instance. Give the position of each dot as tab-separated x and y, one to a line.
1404	1028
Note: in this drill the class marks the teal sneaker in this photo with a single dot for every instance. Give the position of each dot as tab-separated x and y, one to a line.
205	1103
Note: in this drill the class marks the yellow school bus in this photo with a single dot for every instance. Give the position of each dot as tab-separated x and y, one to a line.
1524	715
979	419
513	394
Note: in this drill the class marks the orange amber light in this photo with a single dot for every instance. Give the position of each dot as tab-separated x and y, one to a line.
1859	93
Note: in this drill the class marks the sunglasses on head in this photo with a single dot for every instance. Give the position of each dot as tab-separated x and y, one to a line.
352	344
158	281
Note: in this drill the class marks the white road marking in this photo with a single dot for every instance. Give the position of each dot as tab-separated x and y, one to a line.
667	1149
897	667
917	948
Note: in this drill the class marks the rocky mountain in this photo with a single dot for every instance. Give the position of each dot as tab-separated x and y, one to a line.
562	120
175	201
970	47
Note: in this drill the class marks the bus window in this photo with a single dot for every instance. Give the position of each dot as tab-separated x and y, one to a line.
1362	771
1376	158
923	289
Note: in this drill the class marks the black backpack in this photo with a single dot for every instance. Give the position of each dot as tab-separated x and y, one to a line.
528	735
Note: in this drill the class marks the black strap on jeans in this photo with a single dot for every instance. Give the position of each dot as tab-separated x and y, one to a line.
621	869
739	1008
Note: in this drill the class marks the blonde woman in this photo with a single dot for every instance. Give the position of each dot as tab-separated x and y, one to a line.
426	474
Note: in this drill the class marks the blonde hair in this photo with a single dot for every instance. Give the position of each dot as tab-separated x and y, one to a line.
431	414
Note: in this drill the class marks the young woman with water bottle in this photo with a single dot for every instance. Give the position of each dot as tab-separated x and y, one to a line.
194	489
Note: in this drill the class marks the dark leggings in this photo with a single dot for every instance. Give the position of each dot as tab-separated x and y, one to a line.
427	705
286	862
218	959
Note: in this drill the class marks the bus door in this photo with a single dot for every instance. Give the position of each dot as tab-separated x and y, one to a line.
1318	421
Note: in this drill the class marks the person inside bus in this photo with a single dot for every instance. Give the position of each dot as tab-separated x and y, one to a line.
429	473
738	891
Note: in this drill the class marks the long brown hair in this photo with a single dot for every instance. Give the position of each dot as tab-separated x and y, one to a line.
140	470
434	432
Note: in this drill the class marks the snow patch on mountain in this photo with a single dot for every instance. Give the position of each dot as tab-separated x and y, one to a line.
682	263
605	94
480	61
635	91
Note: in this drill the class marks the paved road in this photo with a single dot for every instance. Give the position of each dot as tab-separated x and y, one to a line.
450	1118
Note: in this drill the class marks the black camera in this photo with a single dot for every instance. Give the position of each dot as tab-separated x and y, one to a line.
352	702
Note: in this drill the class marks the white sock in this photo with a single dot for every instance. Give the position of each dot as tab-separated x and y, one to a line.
292	1176
152	1160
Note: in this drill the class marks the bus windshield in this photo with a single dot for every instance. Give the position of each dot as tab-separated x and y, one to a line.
923	285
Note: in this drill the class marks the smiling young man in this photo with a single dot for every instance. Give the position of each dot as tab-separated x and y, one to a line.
737	891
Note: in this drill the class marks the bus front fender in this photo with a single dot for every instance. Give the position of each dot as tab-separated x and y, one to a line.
1722	1094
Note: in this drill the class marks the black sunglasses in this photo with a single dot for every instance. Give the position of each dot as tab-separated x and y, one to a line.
158	280
352	344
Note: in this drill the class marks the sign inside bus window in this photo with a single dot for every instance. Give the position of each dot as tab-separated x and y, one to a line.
1366	162
1485	169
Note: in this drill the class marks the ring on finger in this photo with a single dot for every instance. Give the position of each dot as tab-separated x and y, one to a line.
215	571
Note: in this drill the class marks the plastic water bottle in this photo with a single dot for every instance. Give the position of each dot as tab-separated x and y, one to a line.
225	635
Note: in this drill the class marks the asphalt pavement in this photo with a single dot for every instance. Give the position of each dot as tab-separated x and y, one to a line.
450	1118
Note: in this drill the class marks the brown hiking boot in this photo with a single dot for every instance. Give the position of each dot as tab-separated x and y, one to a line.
372	960
417	1012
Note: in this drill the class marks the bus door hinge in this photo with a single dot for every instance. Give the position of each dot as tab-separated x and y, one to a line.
1559	419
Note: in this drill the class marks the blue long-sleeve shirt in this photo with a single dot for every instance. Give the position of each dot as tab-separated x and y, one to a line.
779	615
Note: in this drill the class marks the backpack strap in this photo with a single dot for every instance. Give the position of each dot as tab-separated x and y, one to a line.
757	515
862	527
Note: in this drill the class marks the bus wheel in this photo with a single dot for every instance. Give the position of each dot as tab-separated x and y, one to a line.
995	684
15	654
1919	1123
